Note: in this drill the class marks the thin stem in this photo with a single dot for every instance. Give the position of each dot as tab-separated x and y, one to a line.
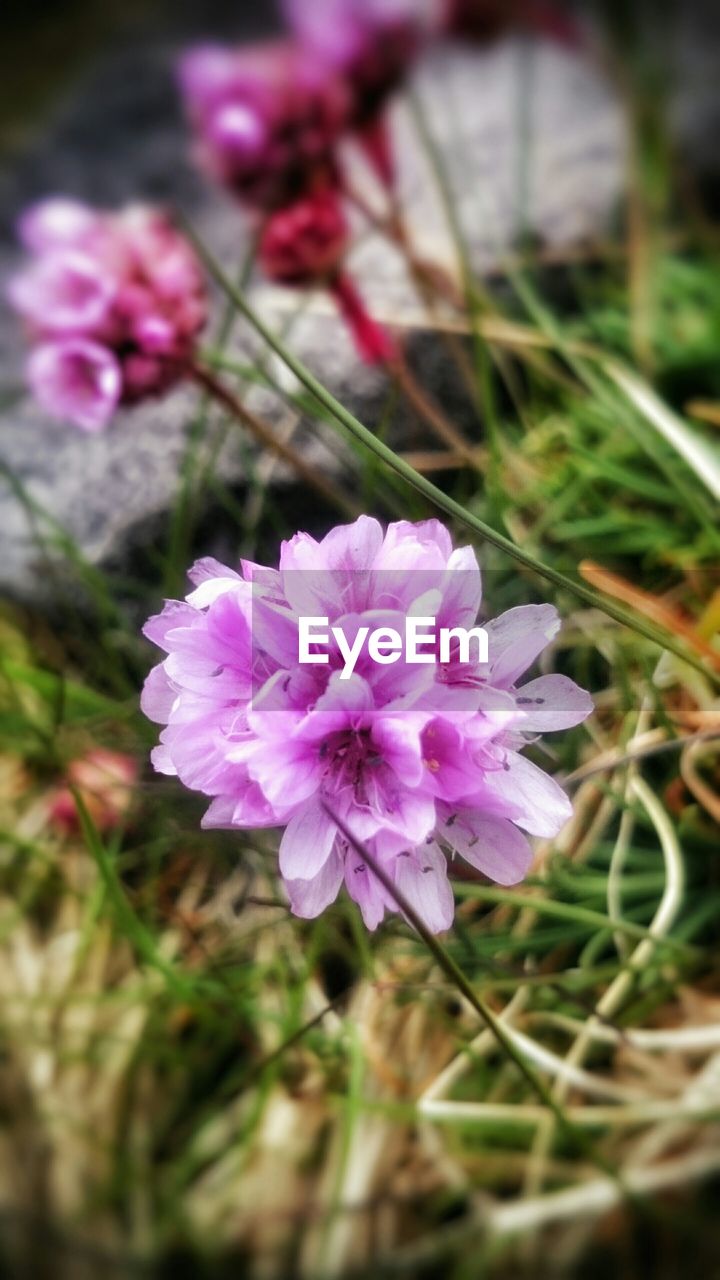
424	486
185	508
265	437
444	429
428	274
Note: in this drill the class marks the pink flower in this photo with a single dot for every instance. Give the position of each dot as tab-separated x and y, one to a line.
266	118
303	244
105	781
112	303
371	44
418	761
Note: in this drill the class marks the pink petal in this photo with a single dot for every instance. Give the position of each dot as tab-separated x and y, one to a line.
308	898
345	704
246	807
366	890
517	637
175	614
531	797
422	878
397	739
162	761
552	702
63	292
206	73
208	569
158	696
352	546
492	845
76	381
306	843
424	536
287	771
57	223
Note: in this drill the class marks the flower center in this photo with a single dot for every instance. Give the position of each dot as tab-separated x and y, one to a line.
346	754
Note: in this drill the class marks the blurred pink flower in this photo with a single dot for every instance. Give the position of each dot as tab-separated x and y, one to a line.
104	781
371	44
266	117
303	245
417	761
112	304
76	380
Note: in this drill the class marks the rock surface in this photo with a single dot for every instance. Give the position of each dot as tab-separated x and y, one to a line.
518	108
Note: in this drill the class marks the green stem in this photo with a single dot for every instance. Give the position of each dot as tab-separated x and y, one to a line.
424	486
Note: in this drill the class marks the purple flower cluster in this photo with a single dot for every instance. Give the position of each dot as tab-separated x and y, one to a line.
418	761
266	119
112	303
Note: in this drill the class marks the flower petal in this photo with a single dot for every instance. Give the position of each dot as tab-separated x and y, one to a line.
306	843
76	381
308	898
531	797
63	293
365	889
516	638
158	696
552	702
56	223
422	878
492	845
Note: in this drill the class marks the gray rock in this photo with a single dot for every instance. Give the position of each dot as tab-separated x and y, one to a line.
518	108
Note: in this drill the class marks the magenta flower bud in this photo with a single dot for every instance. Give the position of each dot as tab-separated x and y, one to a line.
266	118
113	304
304	245
155	335
421	762
75	380
237	131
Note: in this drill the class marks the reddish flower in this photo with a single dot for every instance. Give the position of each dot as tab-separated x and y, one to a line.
304	244
104	781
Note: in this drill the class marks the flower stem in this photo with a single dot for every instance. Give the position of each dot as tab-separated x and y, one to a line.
443	428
